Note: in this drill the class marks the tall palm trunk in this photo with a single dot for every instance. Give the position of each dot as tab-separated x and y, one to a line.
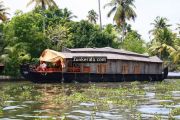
123	22
43	5
123	32
99	3
43	8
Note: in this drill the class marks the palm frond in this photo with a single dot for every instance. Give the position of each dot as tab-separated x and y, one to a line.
130	13
112	3
111	11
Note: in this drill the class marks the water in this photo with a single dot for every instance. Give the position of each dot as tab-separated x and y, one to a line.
99	101
173	73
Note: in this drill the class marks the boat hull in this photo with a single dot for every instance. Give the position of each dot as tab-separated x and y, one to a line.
67	77
59	77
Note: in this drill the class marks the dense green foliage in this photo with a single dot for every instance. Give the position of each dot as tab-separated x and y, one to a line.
23	39
26	35
165	43
85	34
133	42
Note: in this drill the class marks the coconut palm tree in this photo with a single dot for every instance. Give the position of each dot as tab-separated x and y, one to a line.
161	32
174	53
67	15
3	12
92	16
123	11
159	23
162	43
43	3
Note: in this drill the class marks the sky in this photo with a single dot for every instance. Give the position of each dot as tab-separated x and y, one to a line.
146	10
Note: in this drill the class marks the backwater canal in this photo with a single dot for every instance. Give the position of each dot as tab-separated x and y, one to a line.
90	101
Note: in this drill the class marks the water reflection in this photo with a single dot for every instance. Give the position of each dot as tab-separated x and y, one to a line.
101	101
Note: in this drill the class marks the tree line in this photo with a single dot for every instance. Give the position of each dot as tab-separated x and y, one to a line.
26	35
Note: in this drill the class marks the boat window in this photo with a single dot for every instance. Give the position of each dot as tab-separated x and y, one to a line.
125	69
70	64
73	67
137	69
76	65
101	68
86	64
86	68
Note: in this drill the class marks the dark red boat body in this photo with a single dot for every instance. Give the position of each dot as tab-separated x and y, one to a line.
68	77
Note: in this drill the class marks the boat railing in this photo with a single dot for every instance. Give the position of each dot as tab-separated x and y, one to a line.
48	70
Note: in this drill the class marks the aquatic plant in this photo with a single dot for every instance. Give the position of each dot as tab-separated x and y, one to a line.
139	116
157	117
175	111
164	96
167	86
3	98
50	118
1	111
61	98
101	96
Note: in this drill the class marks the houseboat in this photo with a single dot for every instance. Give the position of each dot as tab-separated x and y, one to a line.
94	65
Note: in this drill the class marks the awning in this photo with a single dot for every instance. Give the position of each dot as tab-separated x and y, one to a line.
51	56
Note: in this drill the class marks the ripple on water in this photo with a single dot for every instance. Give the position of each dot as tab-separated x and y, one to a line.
153	109
87	104
41	111
74	117
148	116
155	101
98	115
30	102
10	101
176	106
177	117
176	93
109	116
9	119
150	95
12	107
85	112
30	116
